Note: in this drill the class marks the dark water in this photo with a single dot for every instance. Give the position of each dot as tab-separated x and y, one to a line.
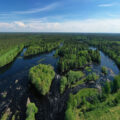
14	81
111	68
108	62
17	92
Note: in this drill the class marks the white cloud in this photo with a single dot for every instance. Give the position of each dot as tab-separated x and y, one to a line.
20	24
88	25
31	11
106	5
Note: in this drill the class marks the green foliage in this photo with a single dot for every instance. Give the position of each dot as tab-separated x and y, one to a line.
69	114
13	117
116	83
92	77
104	70
88	105
107	88
41	47
31	111
63	83
78	100
71	78
10	55
88	69
74	76
11	44
41	77
75	55
6	115
110	45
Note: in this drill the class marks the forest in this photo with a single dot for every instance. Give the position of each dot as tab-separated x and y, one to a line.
59	76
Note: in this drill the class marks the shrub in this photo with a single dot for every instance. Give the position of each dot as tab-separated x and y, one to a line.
31	111
116	83
63	83
107	88
104	70
74	76
92	77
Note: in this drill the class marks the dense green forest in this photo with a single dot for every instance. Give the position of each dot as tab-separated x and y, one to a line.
75	55
12	44
41	47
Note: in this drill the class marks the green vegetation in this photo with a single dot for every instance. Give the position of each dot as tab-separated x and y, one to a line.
31	111
12	44
71	78
110	45
63	83
89	104
41	77
88	69
6	115
10	55
81	81
41	47
116	83
92	77
76	55
78	100
13	117
74	76
104	70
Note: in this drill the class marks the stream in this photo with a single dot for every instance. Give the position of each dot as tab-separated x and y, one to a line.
15	83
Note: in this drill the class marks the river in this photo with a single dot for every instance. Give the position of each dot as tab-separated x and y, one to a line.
14	82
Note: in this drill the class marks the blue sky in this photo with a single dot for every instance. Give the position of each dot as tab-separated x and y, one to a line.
60	16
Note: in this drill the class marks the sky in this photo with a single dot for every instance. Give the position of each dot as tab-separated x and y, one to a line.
91	16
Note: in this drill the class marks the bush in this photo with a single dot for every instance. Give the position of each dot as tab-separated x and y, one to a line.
116	83
92	77
107	88
41	77
31	111
74	76
63	83
104	70
69	115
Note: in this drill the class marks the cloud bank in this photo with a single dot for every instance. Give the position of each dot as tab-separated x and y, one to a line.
88	25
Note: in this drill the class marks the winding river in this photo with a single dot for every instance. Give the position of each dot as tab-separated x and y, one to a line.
14	82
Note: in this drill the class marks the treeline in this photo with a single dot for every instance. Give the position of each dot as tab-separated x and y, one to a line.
11	43
41	47
93	104
75	55
9	56
41	77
